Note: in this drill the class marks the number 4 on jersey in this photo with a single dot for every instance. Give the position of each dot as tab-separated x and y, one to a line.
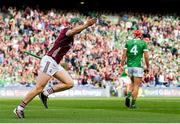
134	50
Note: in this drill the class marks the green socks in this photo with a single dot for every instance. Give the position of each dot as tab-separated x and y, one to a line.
133	103
129	94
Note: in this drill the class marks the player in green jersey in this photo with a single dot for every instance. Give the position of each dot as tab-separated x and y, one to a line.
133	55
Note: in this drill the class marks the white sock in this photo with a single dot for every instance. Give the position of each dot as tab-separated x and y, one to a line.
46	93
20	108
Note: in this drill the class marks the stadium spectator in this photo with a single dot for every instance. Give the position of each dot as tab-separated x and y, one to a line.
96	51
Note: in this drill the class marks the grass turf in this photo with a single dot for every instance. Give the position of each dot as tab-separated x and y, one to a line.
93	110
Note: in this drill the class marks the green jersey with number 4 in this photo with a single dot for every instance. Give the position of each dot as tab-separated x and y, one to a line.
135	49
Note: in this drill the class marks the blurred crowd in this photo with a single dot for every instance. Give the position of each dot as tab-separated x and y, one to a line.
97	51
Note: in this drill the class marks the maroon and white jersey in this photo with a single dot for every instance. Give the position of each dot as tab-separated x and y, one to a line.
61	46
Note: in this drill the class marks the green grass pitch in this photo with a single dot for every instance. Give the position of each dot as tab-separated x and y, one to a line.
93	110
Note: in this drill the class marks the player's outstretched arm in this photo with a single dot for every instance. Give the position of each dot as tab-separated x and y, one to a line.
78	29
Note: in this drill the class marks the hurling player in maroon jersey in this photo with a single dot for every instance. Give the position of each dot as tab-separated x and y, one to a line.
49	67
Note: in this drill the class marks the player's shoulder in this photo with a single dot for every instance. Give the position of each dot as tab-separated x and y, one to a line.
129	41
144	42
64	29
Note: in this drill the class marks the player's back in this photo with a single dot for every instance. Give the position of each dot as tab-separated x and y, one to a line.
135	49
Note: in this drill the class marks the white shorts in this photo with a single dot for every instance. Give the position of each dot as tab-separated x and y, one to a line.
135	71
125	80
49	66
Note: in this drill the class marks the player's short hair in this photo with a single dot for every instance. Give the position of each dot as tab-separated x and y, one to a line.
137	33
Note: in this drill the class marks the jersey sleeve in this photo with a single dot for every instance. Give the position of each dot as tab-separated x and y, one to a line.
63	31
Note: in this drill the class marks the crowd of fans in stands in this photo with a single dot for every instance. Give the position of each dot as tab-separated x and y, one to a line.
96	54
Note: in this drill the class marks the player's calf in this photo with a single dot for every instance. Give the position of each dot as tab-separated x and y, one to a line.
38	89
70	85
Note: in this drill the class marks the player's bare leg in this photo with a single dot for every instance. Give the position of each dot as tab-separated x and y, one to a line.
129	89
41	82
65	82
137	82
65	78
